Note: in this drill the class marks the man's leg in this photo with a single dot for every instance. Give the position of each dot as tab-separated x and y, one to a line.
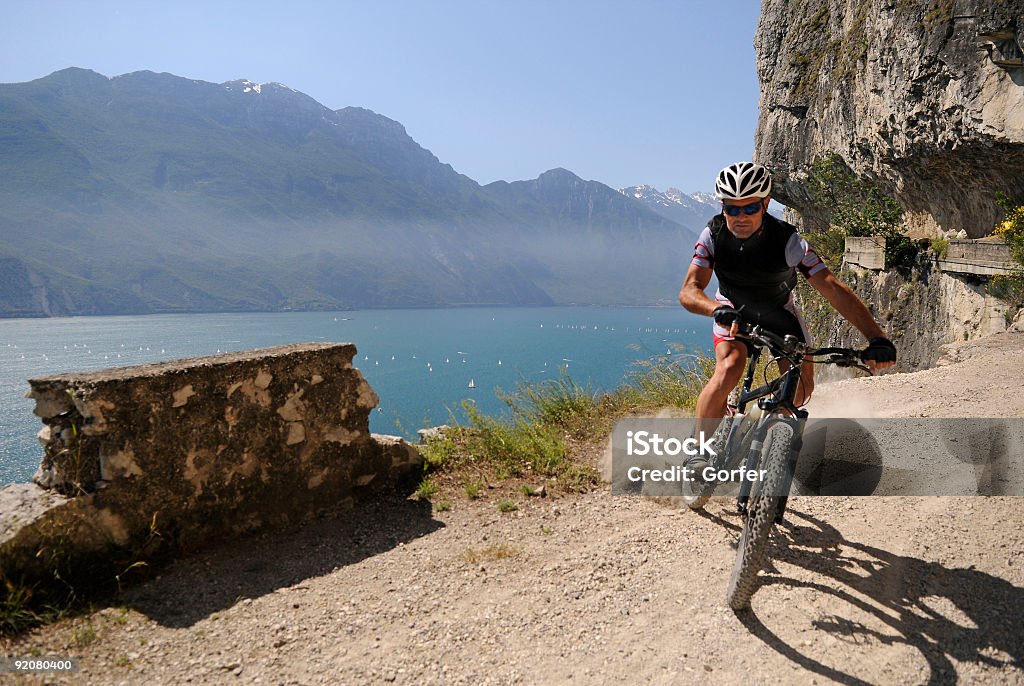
730	360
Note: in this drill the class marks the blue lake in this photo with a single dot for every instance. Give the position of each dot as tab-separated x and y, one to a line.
419	362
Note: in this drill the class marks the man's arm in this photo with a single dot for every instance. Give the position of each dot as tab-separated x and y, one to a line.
846	303
854	311
692	296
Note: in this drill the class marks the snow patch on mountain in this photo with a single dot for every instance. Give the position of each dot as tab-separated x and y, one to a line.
673	197
247	86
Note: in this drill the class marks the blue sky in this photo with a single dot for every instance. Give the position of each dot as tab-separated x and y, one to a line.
658	92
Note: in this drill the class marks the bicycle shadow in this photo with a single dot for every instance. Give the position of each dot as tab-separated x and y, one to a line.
897	585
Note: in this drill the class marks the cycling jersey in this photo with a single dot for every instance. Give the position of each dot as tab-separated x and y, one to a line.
758	273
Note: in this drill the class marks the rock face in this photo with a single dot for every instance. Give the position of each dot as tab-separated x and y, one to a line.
924	97
921	312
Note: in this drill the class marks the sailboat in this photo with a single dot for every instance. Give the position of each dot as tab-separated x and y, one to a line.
471	384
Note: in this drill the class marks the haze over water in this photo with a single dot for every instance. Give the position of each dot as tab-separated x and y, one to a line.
419	362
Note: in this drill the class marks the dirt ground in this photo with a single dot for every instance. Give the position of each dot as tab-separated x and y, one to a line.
594	588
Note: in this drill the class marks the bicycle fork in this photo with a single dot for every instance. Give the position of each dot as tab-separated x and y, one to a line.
796	444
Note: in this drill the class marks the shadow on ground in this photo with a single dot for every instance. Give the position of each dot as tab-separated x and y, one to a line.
902	593
192	589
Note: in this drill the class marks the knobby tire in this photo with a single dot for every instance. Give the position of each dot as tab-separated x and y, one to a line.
697	495
760	518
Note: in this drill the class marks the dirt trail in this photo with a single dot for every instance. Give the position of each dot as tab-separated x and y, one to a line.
591	588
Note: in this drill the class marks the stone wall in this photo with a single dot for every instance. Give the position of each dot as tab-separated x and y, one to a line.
142	462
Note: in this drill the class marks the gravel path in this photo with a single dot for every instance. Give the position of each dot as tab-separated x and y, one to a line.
591	588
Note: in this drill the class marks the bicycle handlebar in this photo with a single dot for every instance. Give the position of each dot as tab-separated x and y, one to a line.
841	357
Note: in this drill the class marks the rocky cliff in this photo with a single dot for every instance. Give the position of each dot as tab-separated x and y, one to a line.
922	311
924	97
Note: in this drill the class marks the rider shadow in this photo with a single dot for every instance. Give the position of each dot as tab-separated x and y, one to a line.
905	591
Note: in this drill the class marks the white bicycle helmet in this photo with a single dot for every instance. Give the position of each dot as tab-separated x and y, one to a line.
743	180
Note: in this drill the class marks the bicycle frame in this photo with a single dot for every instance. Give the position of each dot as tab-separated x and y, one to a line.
774	398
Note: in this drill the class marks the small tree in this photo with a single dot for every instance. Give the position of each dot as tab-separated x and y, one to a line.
857	207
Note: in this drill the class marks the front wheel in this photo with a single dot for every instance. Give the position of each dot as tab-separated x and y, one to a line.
764	502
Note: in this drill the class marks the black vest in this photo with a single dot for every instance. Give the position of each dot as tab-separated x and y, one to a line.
753	272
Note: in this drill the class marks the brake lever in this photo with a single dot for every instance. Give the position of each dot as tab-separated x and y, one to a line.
846	362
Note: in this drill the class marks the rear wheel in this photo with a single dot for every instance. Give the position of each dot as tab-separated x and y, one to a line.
764	502
696	493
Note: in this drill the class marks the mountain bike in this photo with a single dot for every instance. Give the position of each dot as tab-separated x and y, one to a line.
765	441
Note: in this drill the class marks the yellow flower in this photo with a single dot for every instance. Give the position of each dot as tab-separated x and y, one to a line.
1012	226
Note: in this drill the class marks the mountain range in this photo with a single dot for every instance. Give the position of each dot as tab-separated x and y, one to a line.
692	210
154	193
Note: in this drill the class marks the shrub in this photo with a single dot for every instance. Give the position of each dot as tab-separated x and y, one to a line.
854	205
426	490
940	246
1010	287
857	207
830	244
1011	229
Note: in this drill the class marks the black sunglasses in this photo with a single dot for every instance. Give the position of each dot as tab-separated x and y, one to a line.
748	209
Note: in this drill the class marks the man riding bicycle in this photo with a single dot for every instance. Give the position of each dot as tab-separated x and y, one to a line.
755	257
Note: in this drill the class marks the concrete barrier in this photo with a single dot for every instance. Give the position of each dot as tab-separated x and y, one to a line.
867	252
985	258
982	258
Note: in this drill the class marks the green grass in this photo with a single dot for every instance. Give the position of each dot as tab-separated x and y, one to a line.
533	440
84	635
16	611
473	489
427	489
507	506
